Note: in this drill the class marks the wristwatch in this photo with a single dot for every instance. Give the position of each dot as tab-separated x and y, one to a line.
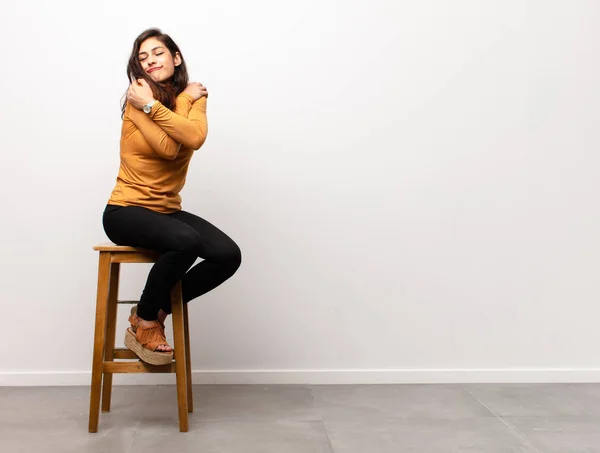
148	107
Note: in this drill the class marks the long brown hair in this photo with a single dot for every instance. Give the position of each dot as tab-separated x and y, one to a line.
166	92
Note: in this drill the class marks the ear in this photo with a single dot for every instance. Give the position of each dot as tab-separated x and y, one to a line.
177	59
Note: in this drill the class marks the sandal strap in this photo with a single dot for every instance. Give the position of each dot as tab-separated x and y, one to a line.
150	337
134	320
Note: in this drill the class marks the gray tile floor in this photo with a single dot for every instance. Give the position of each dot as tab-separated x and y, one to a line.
490	418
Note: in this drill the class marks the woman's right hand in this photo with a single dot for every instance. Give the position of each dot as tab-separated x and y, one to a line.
196	90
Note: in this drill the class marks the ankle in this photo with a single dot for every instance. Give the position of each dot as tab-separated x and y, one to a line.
144	323
162	316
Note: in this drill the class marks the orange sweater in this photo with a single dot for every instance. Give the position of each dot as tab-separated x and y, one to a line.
156	149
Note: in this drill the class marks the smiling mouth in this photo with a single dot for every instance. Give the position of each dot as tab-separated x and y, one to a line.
153	69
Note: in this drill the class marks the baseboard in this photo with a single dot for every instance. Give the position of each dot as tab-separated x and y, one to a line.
317	377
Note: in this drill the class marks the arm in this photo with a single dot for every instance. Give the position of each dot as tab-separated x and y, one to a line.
191	131
159	140
183	104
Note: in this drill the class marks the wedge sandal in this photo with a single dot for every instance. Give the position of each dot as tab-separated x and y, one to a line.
143	341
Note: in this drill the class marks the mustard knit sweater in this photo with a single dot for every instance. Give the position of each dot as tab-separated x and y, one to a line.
156	149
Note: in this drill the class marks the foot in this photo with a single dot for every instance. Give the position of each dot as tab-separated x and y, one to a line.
145	324
161	318
135	320
146	340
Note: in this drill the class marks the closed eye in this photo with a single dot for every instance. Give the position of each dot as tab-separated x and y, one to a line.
142	59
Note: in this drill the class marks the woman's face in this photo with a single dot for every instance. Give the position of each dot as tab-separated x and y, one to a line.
156	60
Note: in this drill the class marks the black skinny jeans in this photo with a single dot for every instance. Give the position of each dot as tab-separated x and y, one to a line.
181	238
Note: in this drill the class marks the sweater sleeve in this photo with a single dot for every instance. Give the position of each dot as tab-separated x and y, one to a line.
191	131
160	142
183	104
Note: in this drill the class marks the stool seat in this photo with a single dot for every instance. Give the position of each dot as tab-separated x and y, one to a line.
110	247
126	254
104	364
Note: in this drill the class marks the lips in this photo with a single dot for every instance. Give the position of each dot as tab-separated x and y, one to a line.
154	69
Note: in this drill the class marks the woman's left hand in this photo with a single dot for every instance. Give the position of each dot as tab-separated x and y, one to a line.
139	93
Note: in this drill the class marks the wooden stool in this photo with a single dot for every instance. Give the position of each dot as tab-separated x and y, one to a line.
104	365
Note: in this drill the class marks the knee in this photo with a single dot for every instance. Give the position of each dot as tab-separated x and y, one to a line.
231	257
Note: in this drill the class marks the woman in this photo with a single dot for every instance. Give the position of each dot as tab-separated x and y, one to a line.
164	121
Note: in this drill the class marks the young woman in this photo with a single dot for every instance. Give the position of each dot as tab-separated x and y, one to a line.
164	122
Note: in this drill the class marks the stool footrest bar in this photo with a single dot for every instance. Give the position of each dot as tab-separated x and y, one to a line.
137	367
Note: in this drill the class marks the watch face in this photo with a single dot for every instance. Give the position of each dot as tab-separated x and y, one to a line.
147	109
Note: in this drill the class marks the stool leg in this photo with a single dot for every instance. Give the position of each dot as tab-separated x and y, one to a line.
188	362
180	357
99	338
111	327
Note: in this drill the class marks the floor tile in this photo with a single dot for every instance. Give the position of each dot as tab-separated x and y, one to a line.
245	402
483	435
65	436
564	435
539	400
447	402
42	404
236	436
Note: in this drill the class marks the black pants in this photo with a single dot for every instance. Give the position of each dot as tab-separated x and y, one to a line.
181	238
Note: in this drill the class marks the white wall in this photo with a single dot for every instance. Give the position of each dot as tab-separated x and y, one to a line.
414	186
